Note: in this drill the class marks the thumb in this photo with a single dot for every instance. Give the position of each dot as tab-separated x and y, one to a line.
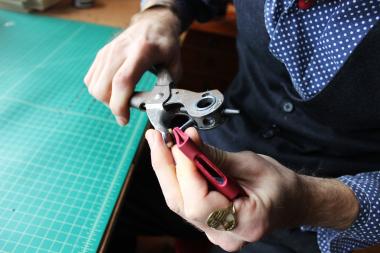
230	163
217	156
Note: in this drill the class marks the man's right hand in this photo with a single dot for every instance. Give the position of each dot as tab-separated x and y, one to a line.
152	38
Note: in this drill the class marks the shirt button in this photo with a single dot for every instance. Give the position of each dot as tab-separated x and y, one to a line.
270	132
287	107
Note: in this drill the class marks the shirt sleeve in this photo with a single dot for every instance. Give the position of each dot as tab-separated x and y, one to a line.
365	231
200	10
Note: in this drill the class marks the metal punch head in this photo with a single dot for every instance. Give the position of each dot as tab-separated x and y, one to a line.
167	107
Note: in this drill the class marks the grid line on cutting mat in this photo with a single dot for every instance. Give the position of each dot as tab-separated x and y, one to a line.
63	159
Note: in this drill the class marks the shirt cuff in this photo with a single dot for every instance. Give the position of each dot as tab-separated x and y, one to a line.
365	231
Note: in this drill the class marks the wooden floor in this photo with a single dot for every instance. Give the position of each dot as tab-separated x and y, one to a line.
105	12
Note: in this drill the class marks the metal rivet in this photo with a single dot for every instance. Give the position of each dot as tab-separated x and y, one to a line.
158	96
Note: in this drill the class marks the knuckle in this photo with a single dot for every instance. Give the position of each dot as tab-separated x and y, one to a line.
251	158
100	95
253	238
90	89
97	93
101	52
211	238
154	162
218	155
115	47
86	81
117	109
120	80
103	97
149	45
192	214
173	206
232	246
259	233
124	81
247	153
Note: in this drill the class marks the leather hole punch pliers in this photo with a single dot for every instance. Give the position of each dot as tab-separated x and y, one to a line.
171	111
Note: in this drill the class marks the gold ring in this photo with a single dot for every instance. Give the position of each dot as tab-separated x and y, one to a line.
223	219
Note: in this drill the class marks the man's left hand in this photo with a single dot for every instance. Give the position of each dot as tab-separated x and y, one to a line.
276	197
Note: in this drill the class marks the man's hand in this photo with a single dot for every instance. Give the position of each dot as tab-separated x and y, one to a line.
152	38
276	196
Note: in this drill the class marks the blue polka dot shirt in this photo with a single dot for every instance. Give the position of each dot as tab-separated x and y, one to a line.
314	44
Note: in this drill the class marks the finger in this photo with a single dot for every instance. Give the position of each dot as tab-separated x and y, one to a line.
194	136
90	72
191	182
234	239
217	156
125	79
248	212
249	228
197	209
91	78
232	164
109	64
198	200
164	167
99	83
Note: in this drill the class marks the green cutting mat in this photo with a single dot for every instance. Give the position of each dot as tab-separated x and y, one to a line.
63	159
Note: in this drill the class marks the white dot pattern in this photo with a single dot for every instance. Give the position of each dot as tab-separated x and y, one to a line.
313	44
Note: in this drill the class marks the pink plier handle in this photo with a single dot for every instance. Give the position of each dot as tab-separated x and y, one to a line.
210	171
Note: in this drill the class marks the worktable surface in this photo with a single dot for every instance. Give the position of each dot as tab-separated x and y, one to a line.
63	159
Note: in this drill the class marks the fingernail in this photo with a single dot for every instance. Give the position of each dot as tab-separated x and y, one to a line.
121	120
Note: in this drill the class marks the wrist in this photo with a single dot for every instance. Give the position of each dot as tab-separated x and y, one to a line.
327	203
159	14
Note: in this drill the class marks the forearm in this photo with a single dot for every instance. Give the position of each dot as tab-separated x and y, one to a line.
344	222
327	203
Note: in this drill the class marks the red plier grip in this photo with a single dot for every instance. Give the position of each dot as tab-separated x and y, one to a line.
210	171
